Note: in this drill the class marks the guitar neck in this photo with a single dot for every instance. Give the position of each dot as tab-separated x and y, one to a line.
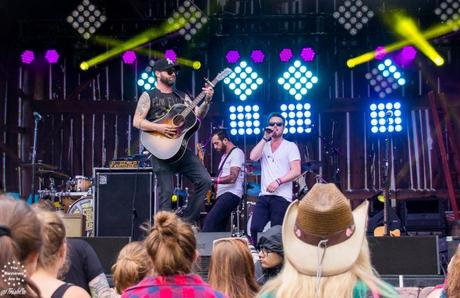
197	100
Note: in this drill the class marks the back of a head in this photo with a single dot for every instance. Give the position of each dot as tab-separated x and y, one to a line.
171	245
453	277
53	231
231	269
20	235
133	264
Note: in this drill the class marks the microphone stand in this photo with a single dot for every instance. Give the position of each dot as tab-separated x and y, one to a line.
37	119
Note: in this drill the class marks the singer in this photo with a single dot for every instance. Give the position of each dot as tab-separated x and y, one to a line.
280	164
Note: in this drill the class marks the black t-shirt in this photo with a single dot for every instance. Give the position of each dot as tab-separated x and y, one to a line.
160	103
84	263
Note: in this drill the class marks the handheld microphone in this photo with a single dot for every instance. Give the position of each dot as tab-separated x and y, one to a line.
268	129
37	116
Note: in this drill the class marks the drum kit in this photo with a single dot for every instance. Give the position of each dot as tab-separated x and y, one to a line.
73	196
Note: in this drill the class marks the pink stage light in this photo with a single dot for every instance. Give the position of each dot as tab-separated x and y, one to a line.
380	53
27	57
408	54
257	56
129	57
52	56
285	55
171	55
232	56
307	54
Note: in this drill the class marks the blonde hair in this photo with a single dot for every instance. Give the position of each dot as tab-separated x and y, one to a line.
453	276
231	269
291	283
171	245
53	233
133	264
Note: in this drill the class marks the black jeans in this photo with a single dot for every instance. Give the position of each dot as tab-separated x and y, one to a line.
217	218
192	168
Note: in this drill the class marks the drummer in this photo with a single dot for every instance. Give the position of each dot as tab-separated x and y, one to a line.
229	182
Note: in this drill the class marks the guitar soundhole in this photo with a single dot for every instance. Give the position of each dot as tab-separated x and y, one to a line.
178	120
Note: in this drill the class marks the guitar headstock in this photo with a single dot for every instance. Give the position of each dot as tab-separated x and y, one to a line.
222	75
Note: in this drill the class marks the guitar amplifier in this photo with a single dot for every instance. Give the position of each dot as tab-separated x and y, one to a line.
123	201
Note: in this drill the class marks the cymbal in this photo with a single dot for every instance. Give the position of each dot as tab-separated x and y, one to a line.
311	165
253	189
40	165
52	174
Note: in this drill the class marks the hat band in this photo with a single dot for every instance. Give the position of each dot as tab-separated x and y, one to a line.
332	239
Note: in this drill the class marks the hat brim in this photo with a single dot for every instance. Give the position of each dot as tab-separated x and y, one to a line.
176	67
337	259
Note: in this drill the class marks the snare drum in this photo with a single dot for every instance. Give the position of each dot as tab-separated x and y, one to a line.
79	184
85	206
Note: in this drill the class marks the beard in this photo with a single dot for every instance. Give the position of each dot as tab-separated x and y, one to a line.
169	81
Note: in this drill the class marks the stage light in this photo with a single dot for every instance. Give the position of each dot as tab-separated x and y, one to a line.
385	78
52	56
27	57
307	54
86	19
129	57
243	81
147	79
297	80
257	56
171	55
232	56
388	118
380	53
285	55
247	116
353	15
298	118
449	12
191	17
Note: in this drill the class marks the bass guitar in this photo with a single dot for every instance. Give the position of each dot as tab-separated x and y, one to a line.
183	118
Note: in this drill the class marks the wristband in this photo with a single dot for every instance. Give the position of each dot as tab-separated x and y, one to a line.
218	180
278	180
266	140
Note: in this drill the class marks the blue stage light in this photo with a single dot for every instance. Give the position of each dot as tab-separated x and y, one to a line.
385	117
297	118
243	81
147	80
297	80
247	123
385	78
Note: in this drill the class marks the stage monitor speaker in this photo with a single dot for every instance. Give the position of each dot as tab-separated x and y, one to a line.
414	255
107	249
117	192
424	215
205	240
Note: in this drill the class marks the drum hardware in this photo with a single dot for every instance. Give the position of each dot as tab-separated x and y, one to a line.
253	189
51	174
40	165
311	166
79	184
236	215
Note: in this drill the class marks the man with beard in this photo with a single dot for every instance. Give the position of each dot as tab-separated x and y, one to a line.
280	164
153	105
229	182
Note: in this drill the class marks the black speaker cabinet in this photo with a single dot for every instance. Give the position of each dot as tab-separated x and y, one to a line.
120	195
416	255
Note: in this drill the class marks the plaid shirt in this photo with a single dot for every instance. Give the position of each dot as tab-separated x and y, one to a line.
181	285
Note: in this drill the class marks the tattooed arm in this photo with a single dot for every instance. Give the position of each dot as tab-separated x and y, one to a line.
139	121
99	287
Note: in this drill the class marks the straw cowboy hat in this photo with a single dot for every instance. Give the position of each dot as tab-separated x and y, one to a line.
321	235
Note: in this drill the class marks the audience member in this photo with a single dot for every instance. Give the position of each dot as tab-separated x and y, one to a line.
52	259
451	287
133	264
20	241
171	245
85	269
231	269
270	257
325	249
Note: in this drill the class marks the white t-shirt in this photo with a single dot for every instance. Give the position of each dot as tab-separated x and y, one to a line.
276	165
235	159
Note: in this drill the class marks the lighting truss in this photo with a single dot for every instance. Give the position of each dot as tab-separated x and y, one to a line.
297	80
298	118
86	19
244	120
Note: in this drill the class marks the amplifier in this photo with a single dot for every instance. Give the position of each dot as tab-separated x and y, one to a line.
123	201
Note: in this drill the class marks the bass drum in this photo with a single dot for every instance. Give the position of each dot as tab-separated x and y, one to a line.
85	206
250	209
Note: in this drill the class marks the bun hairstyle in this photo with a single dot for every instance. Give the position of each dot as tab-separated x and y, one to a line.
171	245
20	237
53	231
133	264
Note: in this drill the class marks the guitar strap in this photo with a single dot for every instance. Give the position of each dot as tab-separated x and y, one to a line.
223	162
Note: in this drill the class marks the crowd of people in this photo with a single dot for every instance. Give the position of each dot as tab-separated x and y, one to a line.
320	250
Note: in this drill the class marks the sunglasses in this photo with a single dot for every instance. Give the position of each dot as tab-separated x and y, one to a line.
279	124
171	71
228	239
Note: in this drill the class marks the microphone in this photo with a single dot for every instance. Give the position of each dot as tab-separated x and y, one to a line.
268	129
37	116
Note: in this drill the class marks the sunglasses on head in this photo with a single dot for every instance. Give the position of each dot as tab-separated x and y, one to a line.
171	71
279	124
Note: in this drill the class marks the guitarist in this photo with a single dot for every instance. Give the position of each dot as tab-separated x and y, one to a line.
151	106
229	182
